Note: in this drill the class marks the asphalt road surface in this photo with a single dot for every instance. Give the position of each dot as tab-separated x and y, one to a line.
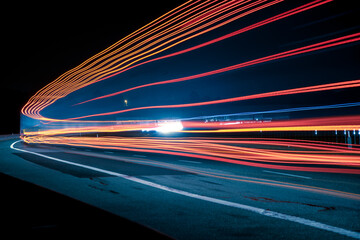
188	198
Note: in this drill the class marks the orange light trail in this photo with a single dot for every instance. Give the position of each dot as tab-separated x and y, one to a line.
324	87
232	177
306	124
140	48
161	39
256	154
251	27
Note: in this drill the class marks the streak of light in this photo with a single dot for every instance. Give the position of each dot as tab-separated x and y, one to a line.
188	21
253	152
316	88
233	177
253	26
306	124
286	110
137	47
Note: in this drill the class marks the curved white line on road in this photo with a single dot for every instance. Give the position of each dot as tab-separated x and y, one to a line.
287	174
257	210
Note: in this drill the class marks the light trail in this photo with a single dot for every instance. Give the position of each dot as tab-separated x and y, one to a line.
324	87
184	31
286	110
252	152
265	212
306	124
64	85
233	177
82	76
243	30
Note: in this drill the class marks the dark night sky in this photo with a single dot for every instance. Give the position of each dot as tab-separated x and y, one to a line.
40	42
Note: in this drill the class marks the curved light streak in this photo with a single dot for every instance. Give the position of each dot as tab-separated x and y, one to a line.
316	88
331	158
154	43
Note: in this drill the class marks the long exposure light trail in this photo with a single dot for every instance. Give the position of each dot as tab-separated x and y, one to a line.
207	70
233	177
64	85
314	47
231	151
311	124
325	87
256	25
286	110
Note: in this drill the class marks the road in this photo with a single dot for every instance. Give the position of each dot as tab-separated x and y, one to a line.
194	198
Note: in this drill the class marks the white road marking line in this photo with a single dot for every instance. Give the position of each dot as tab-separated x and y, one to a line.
187	161
257	210
136	155
287	174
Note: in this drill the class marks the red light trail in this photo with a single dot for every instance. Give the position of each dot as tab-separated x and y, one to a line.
83	75
248	152
256	25
324	87
127	52
314	47
154	43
